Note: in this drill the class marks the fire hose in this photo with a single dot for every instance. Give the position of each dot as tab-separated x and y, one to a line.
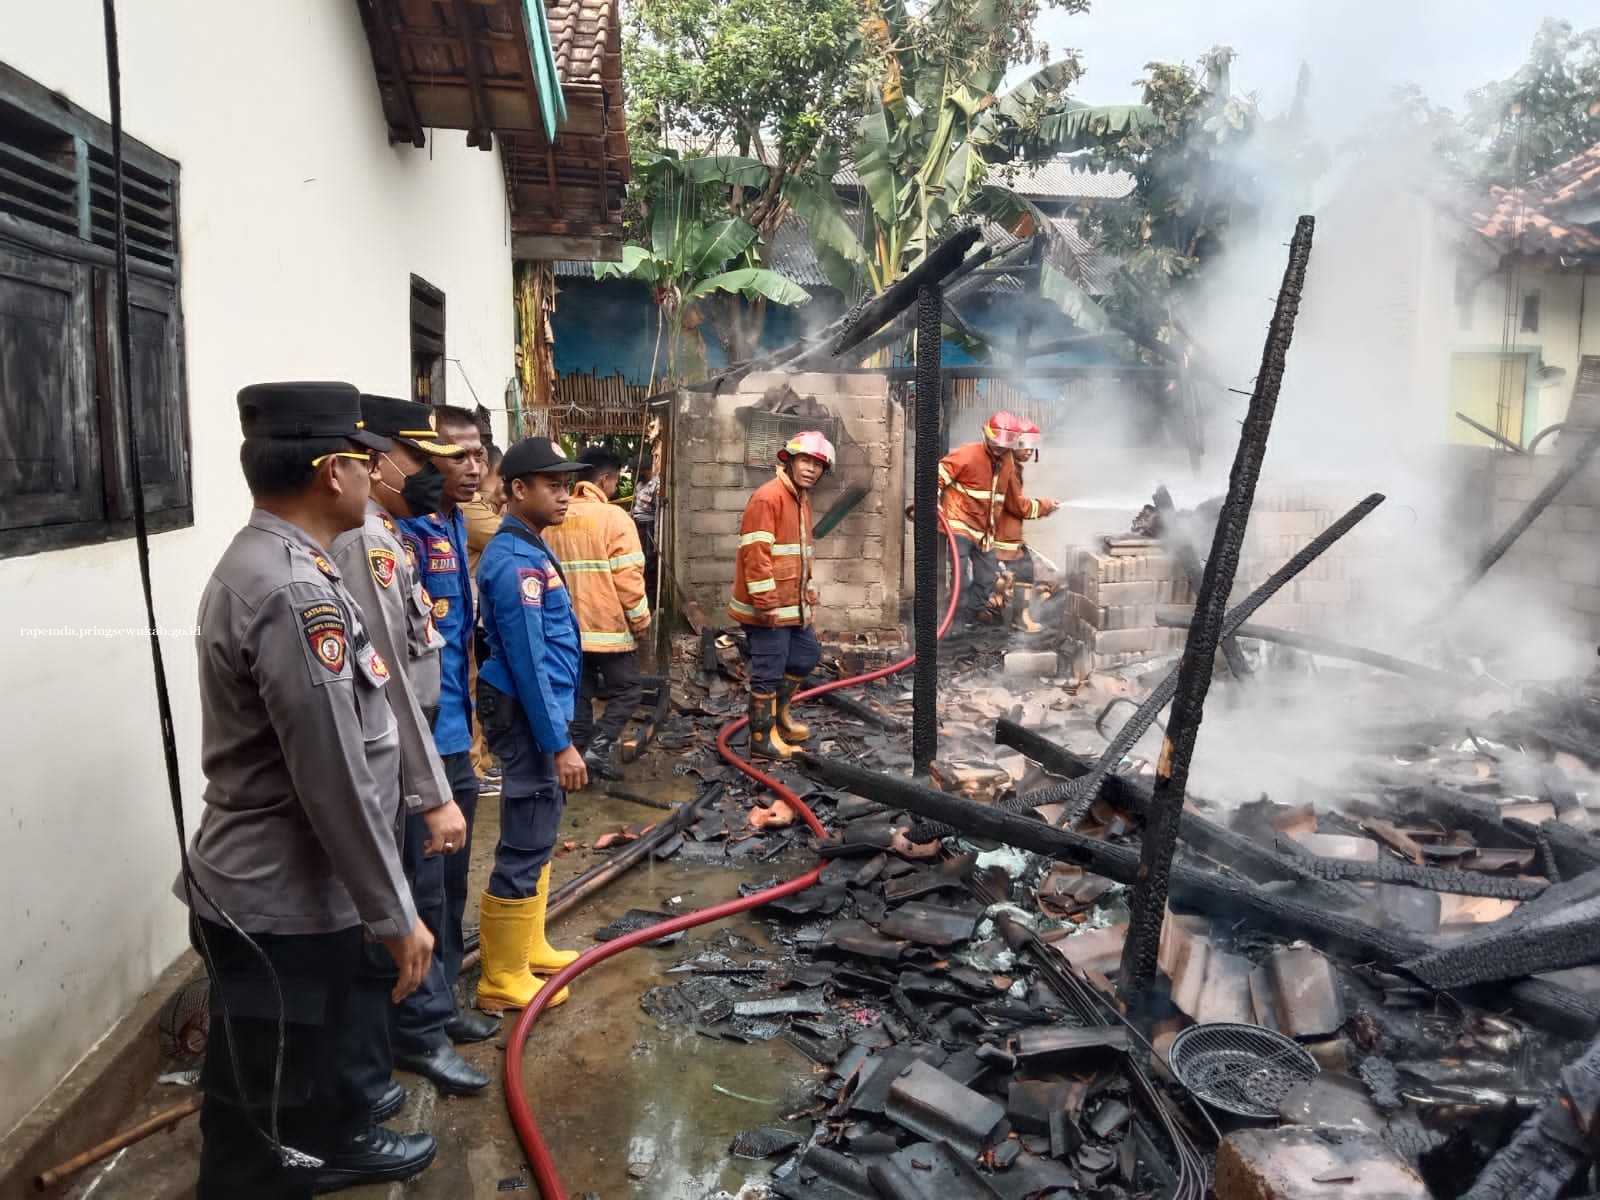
533	1145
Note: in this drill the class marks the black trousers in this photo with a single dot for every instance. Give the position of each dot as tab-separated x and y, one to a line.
614	678
448	946
317	1112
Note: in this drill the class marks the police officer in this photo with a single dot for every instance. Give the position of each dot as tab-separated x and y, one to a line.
296	849
526	691
384	581
438	542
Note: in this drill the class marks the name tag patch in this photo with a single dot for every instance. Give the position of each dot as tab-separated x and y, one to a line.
383	566
325	634
442	555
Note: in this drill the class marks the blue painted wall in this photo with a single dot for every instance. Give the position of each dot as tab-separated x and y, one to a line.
605	326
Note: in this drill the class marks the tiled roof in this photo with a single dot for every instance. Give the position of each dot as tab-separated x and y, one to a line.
1533	220
579	31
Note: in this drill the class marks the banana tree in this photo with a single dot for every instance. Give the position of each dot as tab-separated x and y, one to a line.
689	261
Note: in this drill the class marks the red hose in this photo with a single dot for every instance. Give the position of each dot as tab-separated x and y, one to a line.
533	1144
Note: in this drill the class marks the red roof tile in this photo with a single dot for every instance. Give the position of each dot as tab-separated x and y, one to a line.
579	32
1531	219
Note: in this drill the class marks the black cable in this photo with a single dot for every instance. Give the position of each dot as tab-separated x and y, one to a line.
169	740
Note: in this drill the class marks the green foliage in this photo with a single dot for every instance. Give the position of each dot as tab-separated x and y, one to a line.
1546	112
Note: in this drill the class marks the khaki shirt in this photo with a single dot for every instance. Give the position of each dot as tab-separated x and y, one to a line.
380	575
298	744
483	520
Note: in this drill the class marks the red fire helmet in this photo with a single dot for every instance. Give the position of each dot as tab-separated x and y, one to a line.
811	442
1002	431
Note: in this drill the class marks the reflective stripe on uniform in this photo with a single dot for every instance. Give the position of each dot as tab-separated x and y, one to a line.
641	609
1033	509
627	560
601	641
586	564
790	548
781	614
757	587
974	493
760	535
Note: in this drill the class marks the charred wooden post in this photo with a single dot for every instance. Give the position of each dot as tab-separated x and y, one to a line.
1563	930
1457	809
1461	883
1160	839
1189	559
1554	1146
1315	644
861	711
1517	528
925	493
1570	850
1545	1005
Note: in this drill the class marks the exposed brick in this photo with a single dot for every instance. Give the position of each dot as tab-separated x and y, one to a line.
1285	1164
710	522
1128	616
1116	595
728	499
711	570
1123	641
715	475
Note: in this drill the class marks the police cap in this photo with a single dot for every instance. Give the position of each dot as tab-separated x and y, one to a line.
536	456
409	422
305	412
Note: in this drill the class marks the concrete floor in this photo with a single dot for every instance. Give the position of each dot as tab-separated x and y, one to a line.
610	1088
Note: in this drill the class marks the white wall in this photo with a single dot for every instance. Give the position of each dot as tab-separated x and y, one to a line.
300	228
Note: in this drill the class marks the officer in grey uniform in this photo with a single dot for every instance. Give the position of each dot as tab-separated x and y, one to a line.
373	560
296	849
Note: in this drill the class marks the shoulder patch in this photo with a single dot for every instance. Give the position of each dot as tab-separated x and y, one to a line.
325	633
531	583
411	553
383	565
377	666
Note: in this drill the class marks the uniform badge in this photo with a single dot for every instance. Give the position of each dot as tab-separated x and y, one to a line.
442	555
324	630
411	555
324	566
388	524
441	608
441	546
377	666
530	581
383	565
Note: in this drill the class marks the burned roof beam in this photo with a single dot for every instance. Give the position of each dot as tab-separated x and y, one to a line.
1545	1005
1172	618
1489	433
902	293
1433	879
481	134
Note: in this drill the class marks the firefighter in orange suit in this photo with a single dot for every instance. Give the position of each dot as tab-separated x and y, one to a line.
1010	548
773	592
978	484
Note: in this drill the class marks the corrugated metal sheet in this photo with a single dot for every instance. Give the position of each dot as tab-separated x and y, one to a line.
1057	179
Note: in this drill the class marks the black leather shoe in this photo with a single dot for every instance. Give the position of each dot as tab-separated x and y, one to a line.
376	1155
598	759
392	1102
468	1026
445	1069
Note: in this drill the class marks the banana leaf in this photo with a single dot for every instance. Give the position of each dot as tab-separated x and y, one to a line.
752	282
714	245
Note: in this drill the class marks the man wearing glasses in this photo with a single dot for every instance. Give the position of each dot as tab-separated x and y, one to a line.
296	850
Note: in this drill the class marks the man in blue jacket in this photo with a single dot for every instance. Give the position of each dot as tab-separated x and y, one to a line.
438	544
526	694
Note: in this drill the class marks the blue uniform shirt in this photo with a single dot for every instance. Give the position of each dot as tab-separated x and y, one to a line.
439	545
534	649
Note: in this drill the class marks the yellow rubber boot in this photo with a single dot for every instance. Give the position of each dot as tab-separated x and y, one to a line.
790	730
543	958
765	740
505	927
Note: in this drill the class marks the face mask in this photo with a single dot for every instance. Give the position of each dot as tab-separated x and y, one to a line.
422	492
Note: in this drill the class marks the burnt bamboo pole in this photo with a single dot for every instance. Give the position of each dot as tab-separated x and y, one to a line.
1548	1006
1315	644
1078	794
1517	528
925	530
1160	838
1183	550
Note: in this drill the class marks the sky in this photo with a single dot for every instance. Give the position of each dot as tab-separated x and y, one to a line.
1358	50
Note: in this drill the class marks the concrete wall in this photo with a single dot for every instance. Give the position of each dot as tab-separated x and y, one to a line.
1556	556
858	564
300	226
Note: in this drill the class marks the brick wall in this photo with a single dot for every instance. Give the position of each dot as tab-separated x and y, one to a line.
1555	557
1111	610
858	564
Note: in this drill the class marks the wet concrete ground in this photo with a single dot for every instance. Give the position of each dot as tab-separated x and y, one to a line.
611	1089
